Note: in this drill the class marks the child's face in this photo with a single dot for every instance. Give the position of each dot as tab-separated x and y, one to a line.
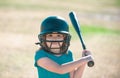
54	41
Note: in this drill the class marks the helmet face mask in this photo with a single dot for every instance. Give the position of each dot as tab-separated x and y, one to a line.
54	25
63	44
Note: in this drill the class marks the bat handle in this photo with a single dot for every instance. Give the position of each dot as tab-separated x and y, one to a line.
90	63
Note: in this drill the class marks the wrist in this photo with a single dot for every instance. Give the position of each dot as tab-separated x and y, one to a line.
87	58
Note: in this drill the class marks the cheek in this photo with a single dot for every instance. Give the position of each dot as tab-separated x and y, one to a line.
61	43
48	44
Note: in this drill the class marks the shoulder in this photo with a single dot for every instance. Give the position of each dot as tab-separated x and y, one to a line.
70	52
70	55
39	54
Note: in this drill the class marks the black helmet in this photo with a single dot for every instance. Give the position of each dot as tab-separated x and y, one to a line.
54	24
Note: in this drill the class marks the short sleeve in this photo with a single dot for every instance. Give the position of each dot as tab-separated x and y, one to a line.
70	55
39	54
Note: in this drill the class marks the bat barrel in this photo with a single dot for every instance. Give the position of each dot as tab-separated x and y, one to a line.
76	25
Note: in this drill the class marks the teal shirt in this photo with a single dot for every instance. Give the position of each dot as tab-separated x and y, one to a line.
43	73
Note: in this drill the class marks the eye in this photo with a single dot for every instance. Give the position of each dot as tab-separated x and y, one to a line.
49	35
59	35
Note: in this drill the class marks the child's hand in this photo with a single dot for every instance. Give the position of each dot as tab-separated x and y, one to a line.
85	53
89	58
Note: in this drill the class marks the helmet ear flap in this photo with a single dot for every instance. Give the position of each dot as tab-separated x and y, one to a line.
41	38
68	38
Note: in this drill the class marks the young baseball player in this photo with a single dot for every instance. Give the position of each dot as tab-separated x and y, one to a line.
54	59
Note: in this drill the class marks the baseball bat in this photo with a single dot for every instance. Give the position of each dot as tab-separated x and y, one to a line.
76	26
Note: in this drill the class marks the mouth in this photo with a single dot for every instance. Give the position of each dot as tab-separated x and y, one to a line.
55	45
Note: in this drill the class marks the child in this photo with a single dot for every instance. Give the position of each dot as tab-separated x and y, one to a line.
53	59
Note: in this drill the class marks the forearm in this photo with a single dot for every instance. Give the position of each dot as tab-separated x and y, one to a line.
68	67
79	71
